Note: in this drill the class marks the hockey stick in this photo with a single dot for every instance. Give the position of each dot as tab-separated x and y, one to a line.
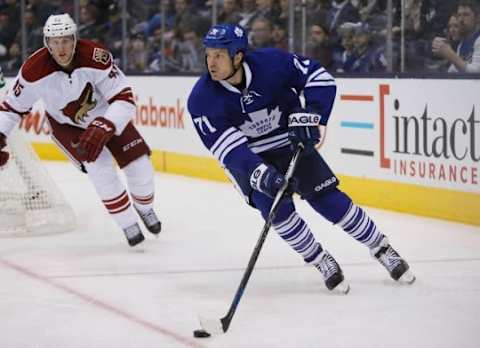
215	326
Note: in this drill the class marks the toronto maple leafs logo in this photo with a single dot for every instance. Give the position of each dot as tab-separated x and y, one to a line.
238	31
215	33
77	110
263	122
249	97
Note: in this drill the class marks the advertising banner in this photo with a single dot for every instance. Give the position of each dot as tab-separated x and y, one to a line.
422	132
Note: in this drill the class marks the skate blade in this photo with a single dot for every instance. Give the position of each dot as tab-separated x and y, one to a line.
407	278
342	288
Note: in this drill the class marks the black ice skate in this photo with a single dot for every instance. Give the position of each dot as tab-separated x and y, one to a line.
392	261
134	235
150	220
332	273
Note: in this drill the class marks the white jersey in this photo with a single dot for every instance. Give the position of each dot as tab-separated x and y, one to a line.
95	87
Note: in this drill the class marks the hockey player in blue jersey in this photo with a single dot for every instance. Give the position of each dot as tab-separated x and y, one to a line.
248	113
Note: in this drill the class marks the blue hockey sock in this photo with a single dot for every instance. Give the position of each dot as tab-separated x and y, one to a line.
358	225
339	209
290	226
332	205
297	234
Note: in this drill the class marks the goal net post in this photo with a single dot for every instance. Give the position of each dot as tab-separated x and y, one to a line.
31	204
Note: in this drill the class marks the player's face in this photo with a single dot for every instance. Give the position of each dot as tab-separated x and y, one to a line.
219	63
62	49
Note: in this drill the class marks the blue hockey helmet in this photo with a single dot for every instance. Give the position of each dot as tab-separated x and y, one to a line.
230	36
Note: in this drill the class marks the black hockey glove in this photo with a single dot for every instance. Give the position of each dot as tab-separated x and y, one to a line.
4	155
266	179
303	128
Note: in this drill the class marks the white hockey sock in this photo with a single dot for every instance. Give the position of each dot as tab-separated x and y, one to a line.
140	180
358	225
104	176
298	235
121	210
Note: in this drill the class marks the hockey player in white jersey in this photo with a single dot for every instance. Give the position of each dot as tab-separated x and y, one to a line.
89	107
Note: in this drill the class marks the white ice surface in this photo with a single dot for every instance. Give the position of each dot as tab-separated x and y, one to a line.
88	289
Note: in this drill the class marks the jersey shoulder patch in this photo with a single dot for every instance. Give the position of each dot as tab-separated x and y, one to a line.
90	54
38	65
101	56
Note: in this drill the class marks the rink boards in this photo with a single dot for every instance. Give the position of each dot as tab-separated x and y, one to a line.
399	144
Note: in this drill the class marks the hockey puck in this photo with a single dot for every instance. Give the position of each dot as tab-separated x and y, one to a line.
200	334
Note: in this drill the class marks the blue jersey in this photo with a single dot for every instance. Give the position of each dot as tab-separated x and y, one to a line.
238	126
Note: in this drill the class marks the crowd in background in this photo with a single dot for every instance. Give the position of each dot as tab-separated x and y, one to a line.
165	36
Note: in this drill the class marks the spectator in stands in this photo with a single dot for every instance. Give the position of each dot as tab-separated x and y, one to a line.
34	32
283	10
89	24
342	11
261	33
247	14
113	30
267	9
43	9
166	60
319	46
467	56
155	50
15	60
12	8
452	35
156	21
346	56
368	58
279	34
8	31
230	12
184	14
137	54
192	51
368	8
318	6
453	31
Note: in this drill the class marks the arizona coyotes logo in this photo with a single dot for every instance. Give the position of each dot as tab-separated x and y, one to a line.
78	109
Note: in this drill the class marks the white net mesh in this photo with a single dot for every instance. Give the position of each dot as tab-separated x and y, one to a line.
30	202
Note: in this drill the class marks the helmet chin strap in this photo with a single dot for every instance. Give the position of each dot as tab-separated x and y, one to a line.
234	70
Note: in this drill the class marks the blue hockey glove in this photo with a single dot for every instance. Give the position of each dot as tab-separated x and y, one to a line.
266	179
303	128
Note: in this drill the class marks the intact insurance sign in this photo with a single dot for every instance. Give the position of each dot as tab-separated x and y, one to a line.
424	132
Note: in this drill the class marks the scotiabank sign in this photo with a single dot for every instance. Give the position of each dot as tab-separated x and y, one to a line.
423	136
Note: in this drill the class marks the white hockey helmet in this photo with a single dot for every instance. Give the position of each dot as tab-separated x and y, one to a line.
59	25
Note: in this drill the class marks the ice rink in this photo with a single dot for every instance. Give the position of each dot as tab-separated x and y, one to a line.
88	289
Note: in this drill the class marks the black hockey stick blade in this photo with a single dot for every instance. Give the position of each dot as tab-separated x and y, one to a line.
219	326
